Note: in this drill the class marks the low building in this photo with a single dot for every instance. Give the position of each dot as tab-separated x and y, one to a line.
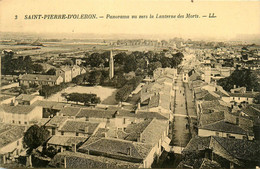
38	79
65	73
62	143
6	99
20	114
225	129
227	152
134	152
26	99
81	160
79	128
11	141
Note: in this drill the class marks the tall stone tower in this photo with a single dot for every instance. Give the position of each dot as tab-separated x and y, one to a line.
111	65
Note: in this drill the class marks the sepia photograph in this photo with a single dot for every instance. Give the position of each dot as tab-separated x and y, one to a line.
130	84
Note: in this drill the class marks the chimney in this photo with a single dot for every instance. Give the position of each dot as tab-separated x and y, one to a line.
29	161
129	151
4	159
74	148
235	86
86	129
14	103
65	162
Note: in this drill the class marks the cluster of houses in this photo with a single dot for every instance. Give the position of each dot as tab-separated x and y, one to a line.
228	124
105	136
63	74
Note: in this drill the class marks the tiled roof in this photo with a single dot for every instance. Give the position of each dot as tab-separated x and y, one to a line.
56	121
70	111
65	68
247	94
25	97
198	83
98	113
231	149
154	131
143	115
118	147
110	112
10	133
50	104
223	126
134	130
252	110
197	143
79	126
241	149
39	77
18	109
80	160
66	140
5	97
209	118
198	163
206	163
215	105
194	76
154	101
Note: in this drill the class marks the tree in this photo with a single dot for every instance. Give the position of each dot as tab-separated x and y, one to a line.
257	99
37	68
130	64
165	62
82	98
95	77
78	79
95	60
244	78
152	66
35	136
27	62
51	71
120	58
123	93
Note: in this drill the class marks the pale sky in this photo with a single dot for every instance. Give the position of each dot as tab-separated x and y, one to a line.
233	18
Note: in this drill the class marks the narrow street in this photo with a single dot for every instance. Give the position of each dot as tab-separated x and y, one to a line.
180	128
191	109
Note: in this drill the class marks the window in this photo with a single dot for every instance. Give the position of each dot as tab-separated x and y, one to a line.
245	138
18	143
77	134
62	133
217	133
228	135
53	131
19	122
25	122
13	121
239	98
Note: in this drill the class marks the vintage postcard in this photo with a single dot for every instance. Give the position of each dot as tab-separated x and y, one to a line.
129	84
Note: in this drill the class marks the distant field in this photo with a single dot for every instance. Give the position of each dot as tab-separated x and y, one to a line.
102	92
70	46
